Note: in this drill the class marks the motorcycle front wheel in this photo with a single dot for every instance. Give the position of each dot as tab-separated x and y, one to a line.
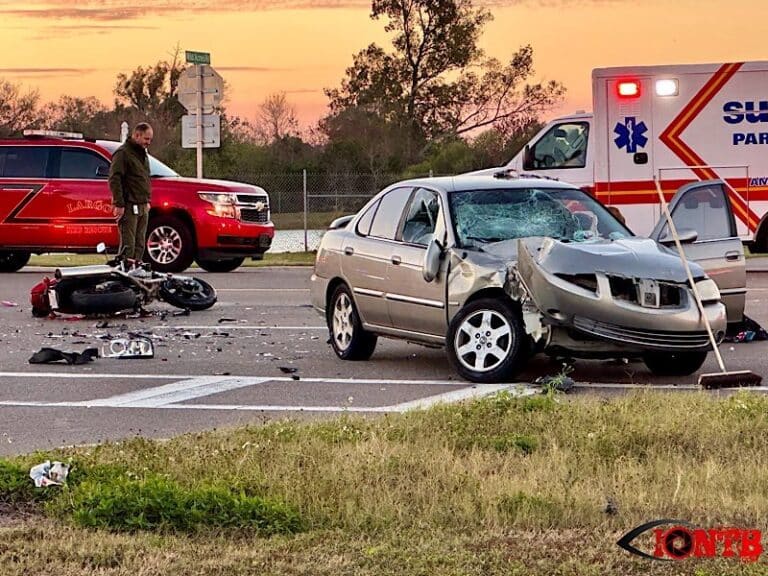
191	293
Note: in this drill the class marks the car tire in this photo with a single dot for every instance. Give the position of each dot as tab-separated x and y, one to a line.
13	261
674	363
492	326
170	247
94	300
350	341
225	265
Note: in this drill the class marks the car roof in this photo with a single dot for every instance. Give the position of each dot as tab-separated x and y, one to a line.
501	180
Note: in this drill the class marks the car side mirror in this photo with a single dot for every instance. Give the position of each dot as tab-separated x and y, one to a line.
527	158
686	235
432	260
341	222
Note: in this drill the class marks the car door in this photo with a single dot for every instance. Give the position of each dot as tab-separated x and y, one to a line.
415	305
25	217
367	252
704	207
79	194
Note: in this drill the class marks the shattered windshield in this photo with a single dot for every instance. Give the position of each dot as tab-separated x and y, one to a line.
487	216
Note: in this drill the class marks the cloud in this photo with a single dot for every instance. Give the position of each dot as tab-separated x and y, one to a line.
46	71
112	10
252	69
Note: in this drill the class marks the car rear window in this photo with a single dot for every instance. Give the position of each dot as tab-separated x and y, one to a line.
23	161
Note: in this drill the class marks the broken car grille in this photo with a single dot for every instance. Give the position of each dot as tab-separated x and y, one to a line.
646	338
632	290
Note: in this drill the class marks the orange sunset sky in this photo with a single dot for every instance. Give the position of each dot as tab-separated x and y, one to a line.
77	47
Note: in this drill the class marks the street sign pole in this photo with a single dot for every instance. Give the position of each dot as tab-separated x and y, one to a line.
199	71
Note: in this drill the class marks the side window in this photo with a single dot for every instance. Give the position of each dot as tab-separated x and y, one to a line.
421	218
364	224
563	146
706	210
83	164
24	161
387	217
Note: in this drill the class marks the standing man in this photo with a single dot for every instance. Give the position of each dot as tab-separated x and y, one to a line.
131	188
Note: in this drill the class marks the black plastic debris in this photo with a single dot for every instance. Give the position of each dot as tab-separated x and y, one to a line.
288	369
52	355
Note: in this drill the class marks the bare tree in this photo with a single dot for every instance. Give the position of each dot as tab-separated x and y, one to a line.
275	119
73	113
17	110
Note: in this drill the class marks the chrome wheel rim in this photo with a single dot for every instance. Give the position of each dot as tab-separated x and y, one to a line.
483	341
164	244
342	322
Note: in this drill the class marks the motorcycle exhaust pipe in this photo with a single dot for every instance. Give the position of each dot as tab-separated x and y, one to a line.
83	271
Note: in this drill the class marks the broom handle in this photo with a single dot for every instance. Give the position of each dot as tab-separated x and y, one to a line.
695	290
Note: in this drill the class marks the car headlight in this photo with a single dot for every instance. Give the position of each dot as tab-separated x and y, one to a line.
223	203
708	290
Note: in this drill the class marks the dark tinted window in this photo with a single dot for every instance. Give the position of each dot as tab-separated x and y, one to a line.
388	215
23	161
364	224
82	164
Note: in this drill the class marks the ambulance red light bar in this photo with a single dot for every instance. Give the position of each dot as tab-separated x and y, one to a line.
629	88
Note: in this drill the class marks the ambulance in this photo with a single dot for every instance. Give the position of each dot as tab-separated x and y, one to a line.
673	124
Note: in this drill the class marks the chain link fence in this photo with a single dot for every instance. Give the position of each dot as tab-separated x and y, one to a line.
304	204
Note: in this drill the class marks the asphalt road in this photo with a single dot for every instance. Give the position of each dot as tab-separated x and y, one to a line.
260	353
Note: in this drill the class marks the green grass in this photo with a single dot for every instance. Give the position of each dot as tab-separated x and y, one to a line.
277	259
498	486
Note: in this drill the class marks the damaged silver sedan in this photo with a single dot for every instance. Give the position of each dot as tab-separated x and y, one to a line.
498	268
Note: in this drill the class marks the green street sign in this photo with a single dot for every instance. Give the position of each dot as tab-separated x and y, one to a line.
198	57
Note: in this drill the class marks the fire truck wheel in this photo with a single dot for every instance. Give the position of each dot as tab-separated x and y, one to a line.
13	261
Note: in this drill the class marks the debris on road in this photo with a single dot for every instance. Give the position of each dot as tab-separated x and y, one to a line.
9	303
52	355
133	347
288	369
746	331
47	474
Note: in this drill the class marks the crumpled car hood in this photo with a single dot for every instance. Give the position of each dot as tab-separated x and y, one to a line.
630	257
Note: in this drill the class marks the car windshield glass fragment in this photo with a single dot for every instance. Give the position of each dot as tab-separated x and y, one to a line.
482	217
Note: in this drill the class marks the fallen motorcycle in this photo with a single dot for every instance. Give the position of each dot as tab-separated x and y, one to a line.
117	286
